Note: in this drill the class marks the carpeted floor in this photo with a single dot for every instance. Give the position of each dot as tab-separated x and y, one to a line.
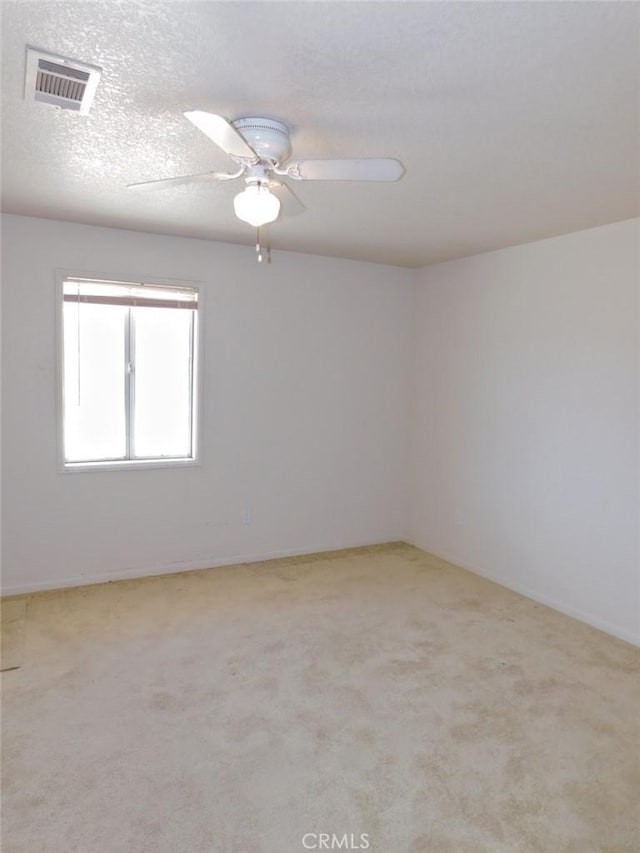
12	623
376	691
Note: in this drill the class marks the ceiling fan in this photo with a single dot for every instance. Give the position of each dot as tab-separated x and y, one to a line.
260	147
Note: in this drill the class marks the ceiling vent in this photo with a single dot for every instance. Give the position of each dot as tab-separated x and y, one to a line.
60	82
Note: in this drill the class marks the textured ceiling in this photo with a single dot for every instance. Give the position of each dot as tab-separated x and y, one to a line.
515	121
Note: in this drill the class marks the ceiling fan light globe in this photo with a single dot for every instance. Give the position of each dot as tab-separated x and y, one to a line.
257	206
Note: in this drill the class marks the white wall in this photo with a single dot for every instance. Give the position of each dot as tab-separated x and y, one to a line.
525	431
525	427
305	412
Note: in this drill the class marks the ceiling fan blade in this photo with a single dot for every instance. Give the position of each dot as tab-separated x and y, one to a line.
345	170
165	183
291	204
222	133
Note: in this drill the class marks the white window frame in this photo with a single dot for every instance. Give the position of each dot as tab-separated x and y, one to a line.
65	466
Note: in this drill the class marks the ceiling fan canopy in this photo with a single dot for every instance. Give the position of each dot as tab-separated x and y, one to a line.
261	147
267	138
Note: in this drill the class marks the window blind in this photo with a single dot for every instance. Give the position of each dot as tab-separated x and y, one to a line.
131	295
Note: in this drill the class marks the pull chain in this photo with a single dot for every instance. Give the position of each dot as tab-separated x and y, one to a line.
78	336
259	247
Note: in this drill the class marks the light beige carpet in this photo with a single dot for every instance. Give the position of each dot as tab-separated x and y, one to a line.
379	691
12	623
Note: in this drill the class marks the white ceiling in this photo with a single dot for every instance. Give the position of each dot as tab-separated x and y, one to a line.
515	121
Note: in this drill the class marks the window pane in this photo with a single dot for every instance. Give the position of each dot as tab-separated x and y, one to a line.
94	382
162	423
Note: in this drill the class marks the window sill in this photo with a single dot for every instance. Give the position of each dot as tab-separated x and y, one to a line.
126	465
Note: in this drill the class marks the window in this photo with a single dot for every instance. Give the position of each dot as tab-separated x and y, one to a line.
129	365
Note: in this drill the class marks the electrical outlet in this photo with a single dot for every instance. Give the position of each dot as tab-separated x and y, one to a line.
246	514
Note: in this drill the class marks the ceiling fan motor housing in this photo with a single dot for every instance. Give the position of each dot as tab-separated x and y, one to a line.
268	138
